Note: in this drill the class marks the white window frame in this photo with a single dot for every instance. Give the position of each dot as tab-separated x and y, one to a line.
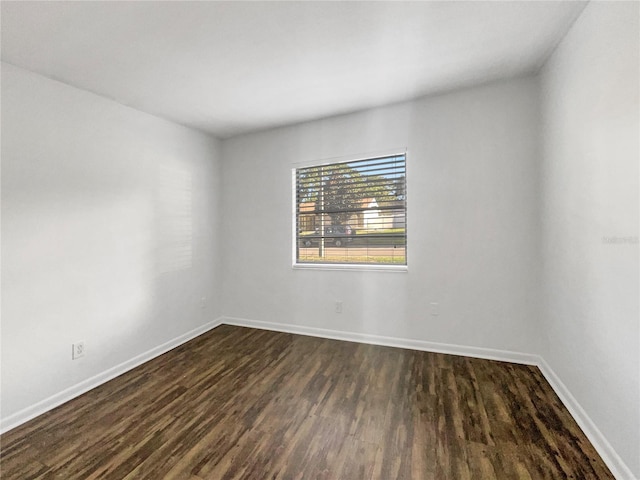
346	266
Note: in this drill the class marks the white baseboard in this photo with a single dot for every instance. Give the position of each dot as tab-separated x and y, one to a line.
64	396
617	466
486	353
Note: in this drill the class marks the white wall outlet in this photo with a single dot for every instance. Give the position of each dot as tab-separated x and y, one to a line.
338	307
434	308
203	303
77	350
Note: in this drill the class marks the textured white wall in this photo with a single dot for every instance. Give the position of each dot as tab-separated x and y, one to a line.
590	197
109	234
472	213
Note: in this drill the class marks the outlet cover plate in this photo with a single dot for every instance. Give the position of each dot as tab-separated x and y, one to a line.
77	350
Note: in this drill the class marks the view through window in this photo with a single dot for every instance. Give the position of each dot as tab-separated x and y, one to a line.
352	212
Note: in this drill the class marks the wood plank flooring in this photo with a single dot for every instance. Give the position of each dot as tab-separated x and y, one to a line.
239	403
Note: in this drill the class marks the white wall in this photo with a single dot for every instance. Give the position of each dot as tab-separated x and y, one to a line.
472	213
91	192
590	191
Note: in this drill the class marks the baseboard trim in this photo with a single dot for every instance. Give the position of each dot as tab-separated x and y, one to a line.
70	393
476	352
617	466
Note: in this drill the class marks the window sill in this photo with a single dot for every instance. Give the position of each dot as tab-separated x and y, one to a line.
351	267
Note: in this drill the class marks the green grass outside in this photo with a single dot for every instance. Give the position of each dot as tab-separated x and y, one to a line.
362	260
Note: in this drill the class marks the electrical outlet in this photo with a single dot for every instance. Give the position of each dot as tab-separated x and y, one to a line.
203	303
77	350
338	307
434	308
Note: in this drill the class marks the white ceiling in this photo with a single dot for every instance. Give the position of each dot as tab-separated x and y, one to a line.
233	67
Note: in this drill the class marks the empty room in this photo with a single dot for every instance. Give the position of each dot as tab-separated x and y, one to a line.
320	240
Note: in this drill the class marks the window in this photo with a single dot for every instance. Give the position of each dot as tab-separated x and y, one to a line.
352	213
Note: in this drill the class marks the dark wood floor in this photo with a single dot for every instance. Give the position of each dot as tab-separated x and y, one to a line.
253	404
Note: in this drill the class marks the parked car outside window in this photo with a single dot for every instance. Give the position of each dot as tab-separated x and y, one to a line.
335	235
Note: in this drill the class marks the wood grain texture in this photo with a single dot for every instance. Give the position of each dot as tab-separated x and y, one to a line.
240	403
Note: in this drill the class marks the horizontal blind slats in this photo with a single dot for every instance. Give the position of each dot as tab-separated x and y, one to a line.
352	212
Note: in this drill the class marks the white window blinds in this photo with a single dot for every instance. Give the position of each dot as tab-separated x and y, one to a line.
352	212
